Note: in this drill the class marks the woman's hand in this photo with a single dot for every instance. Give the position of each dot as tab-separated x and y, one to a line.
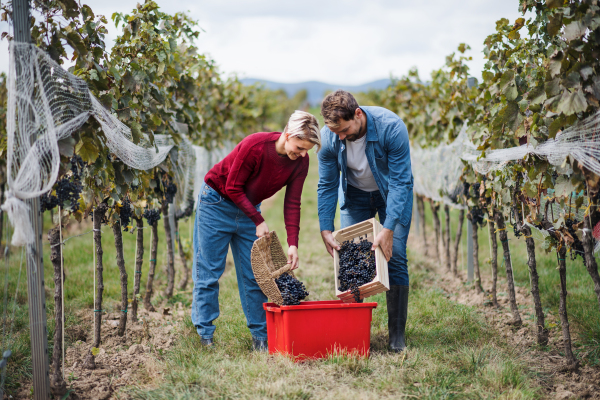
293	257
262	230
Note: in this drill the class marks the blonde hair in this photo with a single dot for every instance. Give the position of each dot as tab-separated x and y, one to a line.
304	126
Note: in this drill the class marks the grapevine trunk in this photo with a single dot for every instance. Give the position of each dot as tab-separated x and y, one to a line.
186	270
461	219
572	363
542	332
123	272
436	226
57	382
99	213
139	263
494	261
170	253
150	283
475	237
421	210
509	272
590	260
447	238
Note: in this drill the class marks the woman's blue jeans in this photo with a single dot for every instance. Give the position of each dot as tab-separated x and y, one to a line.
219	224
360	206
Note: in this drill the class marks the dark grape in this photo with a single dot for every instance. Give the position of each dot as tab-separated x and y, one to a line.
292	290
152	216
357	266
170	190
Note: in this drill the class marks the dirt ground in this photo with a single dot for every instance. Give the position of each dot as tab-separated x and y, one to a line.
133	359
558	383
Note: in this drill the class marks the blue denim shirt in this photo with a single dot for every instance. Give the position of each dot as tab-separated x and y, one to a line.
388	154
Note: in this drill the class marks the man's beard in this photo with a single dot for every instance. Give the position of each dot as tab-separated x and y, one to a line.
356	135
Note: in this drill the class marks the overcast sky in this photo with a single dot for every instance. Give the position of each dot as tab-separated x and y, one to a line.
339	42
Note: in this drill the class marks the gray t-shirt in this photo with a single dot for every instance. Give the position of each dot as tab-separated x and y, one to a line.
359	172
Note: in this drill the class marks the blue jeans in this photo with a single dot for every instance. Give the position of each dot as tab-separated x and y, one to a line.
361	206
220	223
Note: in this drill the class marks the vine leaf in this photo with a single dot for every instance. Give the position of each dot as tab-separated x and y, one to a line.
88	151
572	102
574	30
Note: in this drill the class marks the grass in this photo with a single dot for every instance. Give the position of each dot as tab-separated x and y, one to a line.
452	352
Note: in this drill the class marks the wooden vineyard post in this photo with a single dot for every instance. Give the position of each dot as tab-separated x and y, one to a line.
35	268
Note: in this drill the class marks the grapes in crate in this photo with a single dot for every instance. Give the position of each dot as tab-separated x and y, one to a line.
357	266
292	290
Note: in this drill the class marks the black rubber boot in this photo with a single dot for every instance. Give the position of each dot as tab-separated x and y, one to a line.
397	307
206	342
260	345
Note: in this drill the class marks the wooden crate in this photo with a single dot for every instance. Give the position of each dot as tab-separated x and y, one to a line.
381	282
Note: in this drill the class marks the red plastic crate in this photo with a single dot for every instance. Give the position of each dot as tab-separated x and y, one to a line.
315	329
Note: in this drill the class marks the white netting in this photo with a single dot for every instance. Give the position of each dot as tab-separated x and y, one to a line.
205	159
580	141
437	171
47	104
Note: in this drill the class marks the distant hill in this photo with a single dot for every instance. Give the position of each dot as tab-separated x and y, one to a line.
316	90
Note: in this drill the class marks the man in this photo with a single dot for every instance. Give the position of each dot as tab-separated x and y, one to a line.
369	147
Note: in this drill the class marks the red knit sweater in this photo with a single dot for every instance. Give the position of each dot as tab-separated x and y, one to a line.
254	171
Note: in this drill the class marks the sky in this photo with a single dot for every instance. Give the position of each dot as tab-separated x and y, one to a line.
339	42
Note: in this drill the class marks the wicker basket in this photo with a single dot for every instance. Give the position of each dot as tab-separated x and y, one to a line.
268	263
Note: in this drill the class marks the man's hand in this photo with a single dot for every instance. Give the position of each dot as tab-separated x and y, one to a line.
293	257
262	230
329	241
384	240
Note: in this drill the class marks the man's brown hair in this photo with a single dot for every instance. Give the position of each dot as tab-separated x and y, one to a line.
338	105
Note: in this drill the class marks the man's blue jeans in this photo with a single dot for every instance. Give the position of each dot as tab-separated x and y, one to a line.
220	223
361	206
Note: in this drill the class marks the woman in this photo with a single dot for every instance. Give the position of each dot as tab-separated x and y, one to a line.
228	214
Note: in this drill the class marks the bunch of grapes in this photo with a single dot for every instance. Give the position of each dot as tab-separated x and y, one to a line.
169	189
152	216
77	165
292	290
125	214
67	194
477	215
357	266
67	189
